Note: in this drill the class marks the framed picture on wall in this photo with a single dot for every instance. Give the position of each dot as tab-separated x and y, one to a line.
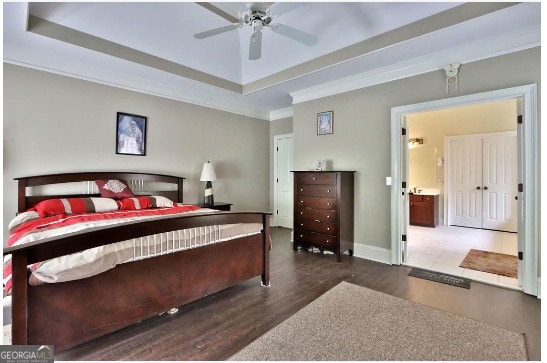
325	122
130	134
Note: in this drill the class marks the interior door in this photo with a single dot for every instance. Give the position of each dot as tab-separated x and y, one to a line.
483	182
466	173
284	182
499	183
405	212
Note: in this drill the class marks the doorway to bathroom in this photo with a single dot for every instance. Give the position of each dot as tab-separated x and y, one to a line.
440	248
465	164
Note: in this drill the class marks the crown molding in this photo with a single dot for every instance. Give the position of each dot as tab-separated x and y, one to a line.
496	46
176	96
281	113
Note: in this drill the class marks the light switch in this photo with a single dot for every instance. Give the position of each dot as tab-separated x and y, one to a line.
388	180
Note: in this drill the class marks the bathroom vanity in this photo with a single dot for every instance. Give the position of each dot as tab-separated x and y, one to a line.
424	209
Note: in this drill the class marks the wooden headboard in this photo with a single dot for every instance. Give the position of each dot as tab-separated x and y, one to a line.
137	182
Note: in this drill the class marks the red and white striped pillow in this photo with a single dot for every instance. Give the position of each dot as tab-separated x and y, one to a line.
145	202
51	207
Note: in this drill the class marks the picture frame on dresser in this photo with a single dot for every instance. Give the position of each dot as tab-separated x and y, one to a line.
320	165
131	134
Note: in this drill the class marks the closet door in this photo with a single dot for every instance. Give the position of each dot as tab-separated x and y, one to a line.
500	183
466	194
483	171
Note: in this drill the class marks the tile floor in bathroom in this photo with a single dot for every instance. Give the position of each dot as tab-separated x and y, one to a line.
443	249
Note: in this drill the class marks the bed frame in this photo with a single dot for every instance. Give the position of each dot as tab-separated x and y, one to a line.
70	313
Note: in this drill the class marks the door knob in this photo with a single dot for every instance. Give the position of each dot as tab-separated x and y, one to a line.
485	188
478	188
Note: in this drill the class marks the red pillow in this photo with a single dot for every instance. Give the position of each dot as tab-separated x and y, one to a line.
115	189
51	207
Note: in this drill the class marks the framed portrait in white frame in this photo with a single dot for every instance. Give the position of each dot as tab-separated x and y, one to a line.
325	123
320	165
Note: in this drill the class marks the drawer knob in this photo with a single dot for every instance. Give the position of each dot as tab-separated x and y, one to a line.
328	216
328	190
317	221
313	178
301	212
301	201
301	224
301	236
328	203
328	228
301	189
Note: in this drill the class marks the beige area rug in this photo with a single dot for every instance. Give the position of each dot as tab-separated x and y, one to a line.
350	322
492	262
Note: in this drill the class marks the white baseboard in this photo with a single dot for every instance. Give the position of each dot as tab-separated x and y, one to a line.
372	253
539	288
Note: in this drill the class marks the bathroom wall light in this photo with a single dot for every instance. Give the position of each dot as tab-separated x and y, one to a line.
415	142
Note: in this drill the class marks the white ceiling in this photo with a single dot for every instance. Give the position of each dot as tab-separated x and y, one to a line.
149	47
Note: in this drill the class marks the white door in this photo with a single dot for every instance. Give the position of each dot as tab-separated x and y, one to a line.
500	183
283	182
466	177
405	211
483	172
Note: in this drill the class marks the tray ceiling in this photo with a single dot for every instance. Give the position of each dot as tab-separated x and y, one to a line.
150	47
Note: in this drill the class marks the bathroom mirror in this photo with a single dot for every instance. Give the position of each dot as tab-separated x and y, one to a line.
422	167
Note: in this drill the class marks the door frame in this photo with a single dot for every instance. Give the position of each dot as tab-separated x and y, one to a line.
275	194
448	159
529	174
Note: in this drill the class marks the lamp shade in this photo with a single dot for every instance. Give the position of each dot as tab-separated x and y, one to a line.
208	172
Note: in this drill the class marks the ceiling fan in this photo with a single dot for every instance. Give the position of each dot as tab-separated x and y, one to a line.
257	16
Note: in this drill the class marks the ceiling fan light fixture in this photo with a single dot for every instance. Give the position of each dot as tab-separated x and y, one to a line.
257	25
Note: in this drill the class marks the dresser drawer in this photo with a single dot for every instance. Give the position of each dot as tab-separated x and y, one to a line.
422	198
316	225
324	191
428	198
326	215
316	178
315	203
317	239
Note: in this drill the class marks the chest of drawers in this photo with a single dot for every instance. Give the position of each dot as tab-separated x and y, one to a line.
323	210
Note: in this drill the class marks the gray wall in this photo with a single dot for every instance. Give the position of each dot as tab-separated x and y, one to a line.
56	124
361	140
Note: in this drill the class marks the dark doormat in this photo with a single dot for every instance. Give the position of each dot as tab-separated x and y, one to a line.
440	277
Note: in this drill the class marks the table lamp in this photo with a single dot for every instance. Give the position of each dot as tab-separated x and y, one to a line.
208	175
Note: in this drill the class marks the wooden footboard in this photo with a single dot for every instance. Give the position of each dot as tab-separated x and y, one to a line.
69	313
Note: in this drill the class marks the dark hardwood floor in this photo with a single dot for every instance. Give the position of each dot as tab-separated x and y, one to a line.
217	326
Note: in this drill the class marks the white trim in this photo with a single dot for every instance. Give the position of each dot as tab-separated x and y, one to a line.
281	113
503	44
529	223
276	141
372	253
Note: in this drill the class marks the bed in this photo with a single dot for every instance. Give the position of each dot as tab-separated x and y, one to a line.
69	313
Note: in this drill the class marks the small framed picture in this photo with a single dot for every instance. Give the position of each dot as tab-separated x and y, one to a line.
320	165
130	134
325	122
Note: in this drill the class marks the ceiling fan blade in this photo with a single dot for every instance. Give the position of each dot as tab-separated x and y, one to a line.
218	11
255	48
215	31
295	34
